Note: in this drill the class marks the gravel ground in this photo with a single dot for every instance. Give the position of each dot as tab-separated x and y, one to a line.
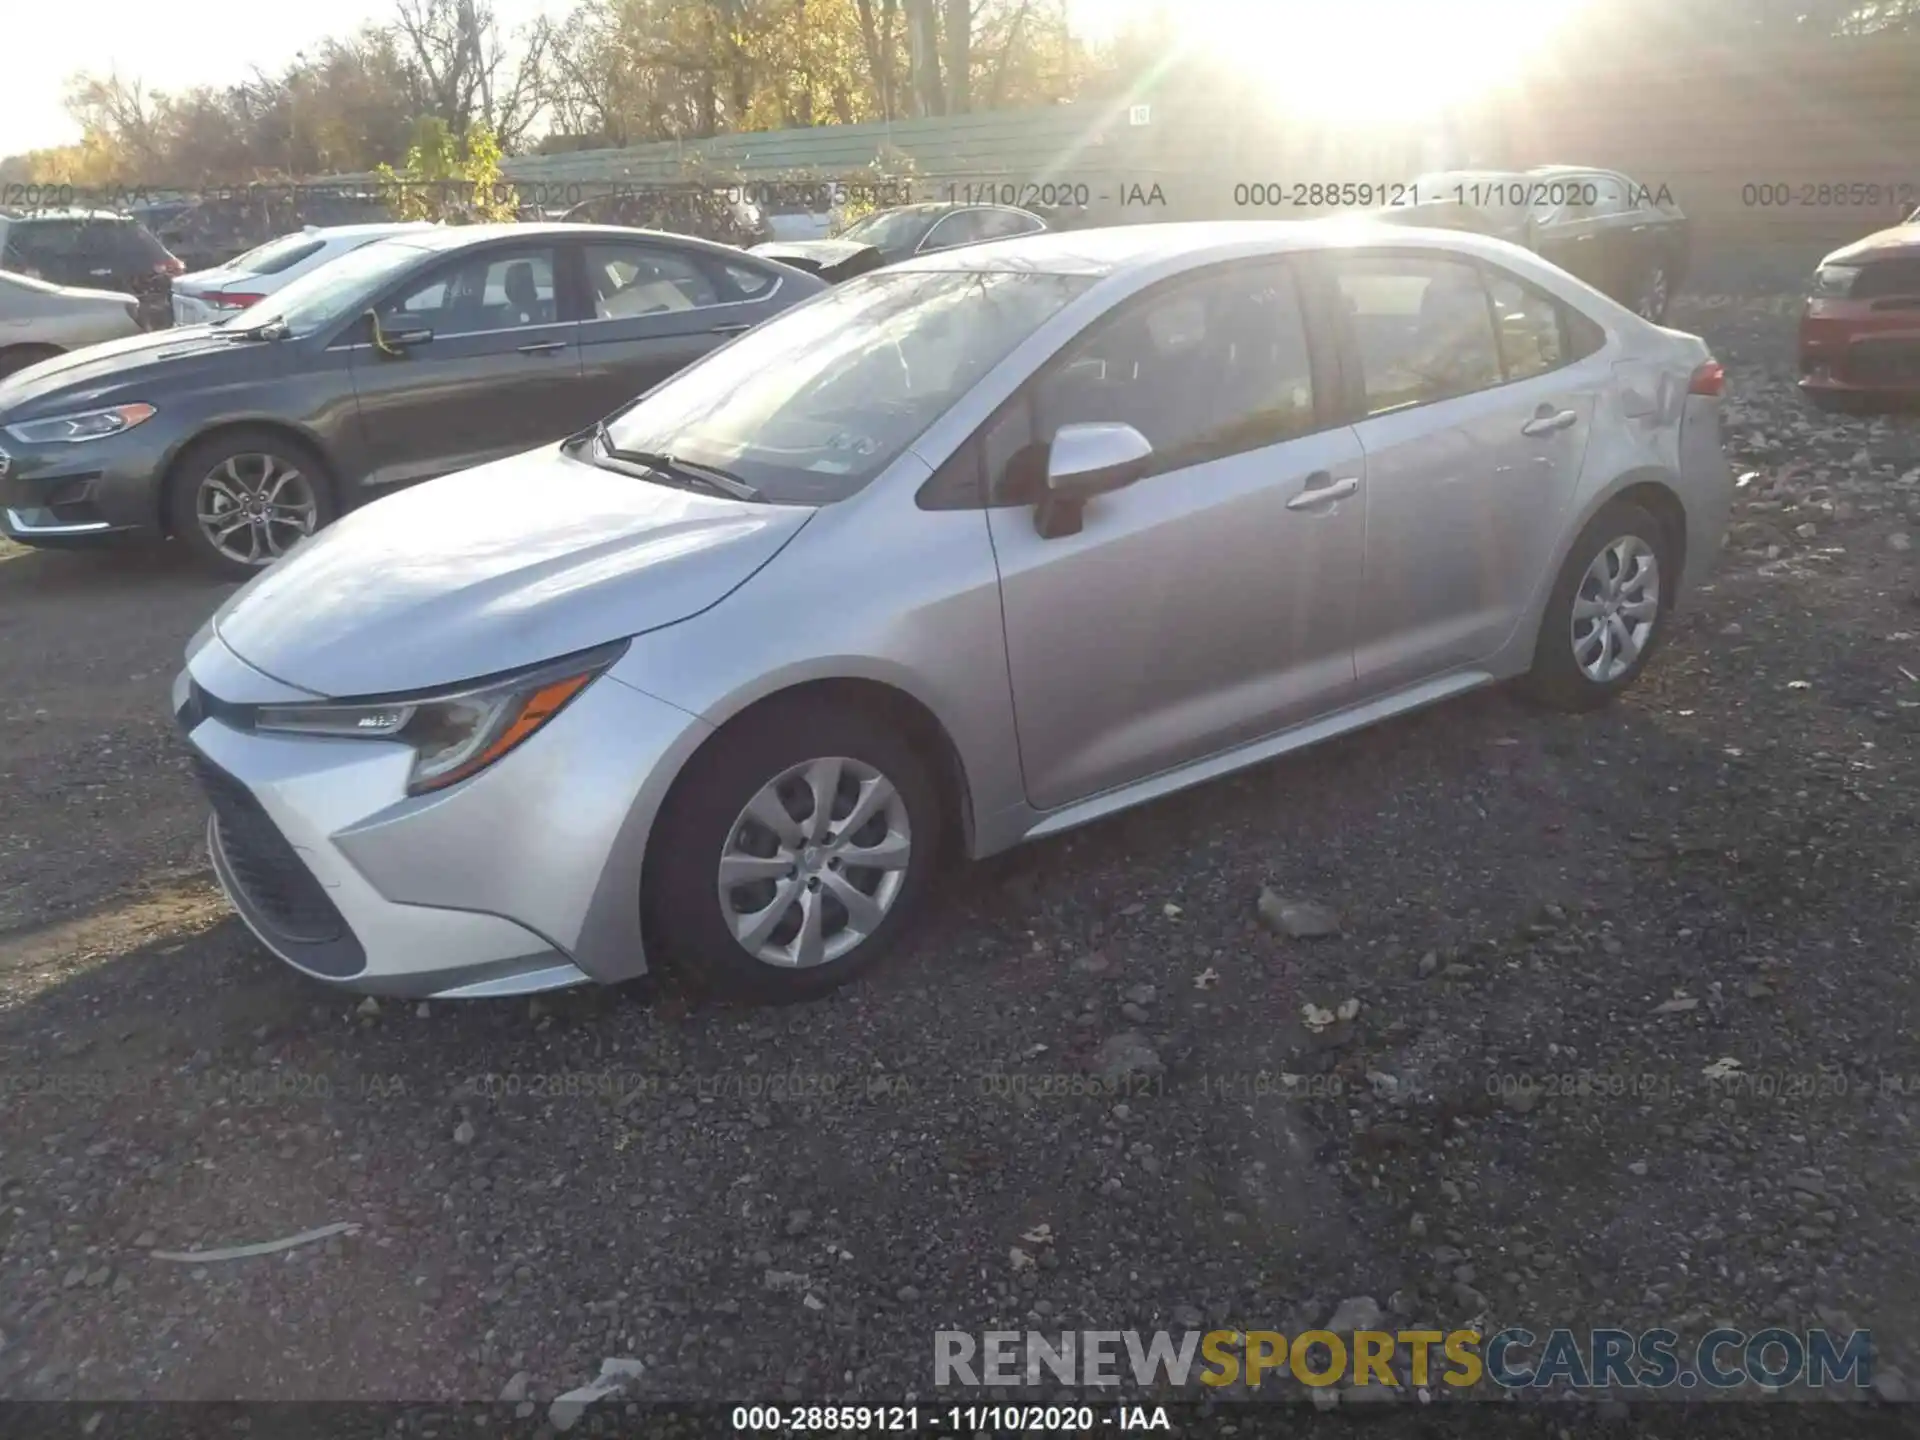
790	1202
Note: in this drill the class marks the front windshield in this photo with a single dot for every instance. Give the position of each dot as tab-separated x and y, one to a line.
890	229
323	296
814	404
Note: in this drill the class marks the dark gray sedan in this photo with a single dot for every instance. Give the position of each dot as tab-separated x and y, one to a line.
410	358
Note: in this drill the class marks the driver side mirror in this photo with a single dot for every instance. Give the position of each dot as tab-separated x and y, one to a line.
393	342
1085	461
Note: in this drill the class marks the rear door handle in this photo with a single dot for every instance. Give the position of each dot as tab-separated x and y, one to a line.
1547	424
734	329
100	272
545	347
1321	488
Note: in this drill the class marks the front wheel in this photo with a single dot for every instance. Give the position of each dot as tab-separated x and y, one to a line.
243	499
793	853
1607	612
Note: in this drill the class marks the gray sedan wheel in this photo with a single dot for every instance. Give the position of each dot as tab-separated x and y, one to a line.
1656	293
793	851
1608	610
242	499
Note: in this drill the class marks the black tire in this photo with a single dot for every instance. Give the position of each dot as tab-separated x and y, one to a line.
19	357
686	930
200	459
1557	679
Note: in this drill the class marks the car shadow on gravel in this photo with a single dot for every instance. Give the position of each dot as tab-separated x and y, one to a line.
144	570
541	1184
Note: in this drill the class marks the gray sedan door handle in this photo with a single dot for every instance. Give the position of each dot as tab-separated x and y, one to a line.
1321	493
744	325
1547	424
545	347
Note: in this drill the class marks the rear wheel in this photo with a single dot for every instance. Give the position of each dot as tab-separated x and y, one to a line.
1608	610
793	853
242	499
19	357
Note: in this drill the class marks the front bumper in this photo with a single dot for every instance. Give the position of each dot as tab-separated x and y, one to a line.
1849	347
62	494
524	878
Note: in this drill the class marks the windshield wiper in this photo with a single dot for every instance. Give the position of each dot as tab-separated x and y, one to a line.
707	477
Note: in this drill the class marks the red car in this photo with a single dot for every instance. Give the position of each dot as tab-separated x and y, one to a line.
1860	329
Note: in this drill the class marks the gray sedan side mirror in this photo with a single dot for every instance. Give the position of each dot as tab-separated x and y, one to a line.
1084	461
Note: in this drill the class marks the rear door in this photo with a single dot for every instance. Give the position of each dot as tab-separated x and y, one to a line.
649	310
1474	403
500	374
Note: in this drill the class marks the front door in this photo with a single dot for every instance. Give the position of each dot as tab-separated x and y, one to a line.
1477	416
1211	602
650	311
495	377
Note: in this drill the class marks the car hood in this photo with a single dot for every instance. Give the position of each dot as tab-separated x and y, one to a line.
70	381
831	260
1897	240
509	564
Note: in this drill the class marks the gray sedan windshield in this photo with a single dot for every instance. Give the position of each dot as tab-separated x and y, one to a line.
813	405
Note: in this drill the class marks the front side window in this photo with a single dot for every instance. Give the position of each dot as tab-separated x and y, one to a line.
630	280
498	290
814	404
1423	328
1204	368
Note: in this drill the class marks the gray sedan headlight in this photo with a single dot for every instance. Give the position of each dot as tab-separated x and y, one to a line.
454	733
81	425
1835	281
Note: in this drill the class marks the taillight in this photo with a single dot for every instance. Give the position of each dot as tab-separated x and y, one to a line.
169	266
228	300
1709	379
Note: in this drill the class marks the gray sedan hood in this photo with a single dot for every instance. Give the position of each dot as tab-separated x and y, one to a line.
509	564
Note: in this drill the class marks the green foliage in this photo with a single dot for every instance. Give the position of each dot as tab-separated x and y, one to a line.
446	178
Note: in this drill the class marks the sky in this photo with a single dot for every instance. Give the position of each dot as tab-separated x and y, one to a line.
177	46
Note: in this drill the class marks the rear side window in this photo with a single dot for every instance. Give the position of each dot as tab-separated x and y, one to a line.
1532	339
42	240
283	254
1423	326
748	281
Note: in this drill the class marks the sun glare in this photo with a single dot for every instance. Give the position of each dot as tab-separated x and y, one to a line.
1378	59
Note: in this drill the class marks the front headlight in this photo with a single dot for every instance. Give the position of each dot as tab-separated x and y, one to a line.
82	425
454	733
1835	281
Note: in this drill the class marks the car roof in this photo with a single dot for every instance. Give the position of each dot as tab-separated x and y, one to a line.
455	237
1111	249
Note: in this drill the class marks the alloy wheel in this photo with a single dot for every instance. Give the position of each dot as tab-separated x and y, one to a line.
814	862
1615	609
253	507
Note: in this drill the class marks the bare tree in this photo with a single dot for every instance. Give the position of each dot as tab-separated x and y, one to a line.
959	28
464	71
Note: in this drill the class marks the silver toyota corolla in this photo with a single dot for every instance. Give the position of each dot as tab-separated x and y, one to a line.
970	550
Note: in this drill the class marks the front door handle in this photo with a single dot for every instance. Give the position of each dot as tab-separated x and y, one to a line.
1321	488
1547	424
735	329
100	272
545	347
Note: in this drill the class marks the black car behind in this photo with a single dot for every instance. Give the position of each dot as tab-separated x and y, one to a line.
1626	239
410	358
887	236
96	250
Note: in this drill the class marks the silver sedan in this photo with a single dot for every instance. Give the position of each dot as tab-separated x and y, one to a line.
973	549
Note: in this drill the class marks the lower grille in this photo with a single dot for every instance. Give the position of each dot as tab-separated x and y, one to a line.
275	882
